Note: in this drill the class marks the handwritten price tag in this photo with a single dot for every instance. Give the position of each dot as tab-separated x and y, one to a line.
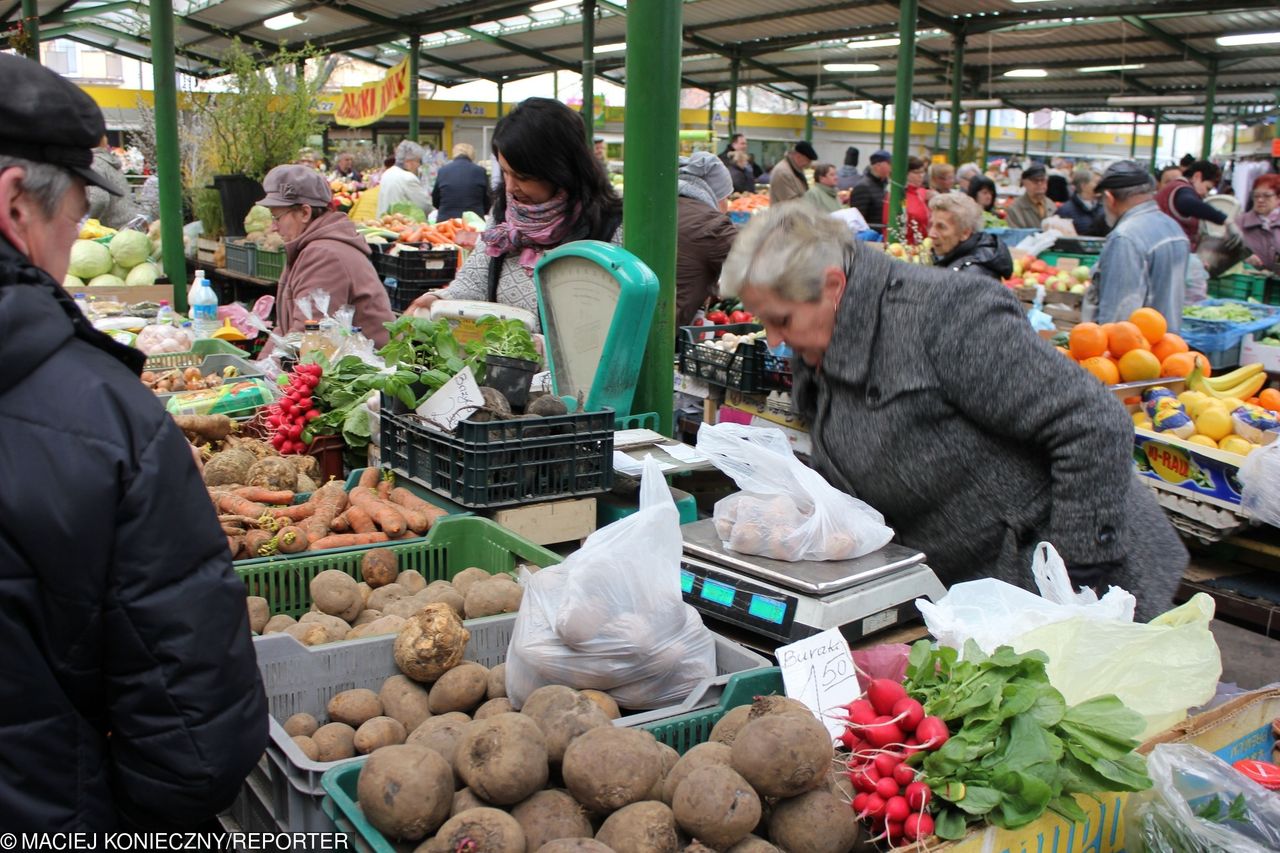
819	672
455	400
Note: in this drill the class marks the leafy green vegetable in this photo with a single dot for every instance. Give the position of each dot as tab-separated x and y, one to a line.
409	210
1231	313
507	338
1214	810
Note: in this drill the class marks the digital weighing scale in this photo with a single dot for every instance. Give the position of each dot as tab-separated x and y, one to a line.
786	602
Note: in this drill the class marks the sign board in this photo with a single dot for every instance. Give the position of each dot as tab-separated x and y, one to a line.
819	672
453	402
363	105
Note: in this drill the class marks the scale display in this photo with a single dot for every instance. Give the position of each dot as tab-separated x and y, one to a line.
737	600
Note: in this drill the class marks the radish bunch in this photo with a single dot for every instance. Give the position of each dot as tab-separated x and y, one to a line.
289	417
883	729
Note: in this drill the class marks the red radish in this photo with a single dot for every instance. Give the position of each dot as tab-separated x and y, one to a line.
882	732
910	713
894	829
860	712
904	775
918	795
917	826
932	733
874	806
863	782
860	802
887	788
884	693
886	763
896	809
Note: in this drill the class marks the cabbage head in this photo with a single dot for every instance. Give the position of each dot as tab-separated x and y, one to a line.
142	274
72	281
259	219
118	271
130	248
106	281
89	259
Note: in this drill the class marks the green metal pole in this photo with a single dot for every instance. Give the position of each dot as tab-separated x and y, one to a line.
31	23
884	109
735	66
168	162
1133	139
937	131
1155	138
957	77
415	46
555	85
986	138
1064	133
501	80
711	109
1210	91
808	117
1235	131
907	11
589	70
1026	134
652	134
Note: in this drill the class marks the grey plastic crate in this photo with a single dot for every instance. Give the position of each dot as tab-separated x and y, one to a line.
300	679
216	364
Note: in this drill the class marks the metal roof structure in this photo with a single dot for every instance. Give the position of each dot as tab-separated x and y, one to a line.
1142	48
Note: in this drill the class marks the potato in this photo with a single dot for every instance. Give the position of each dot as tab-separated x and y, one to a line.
431	643
404	700
335	741
412	581
562	713
486	830
379	567
301	725
463	580
814	821
406	792
333	626
716	805
365	617
607	768
460	689
645	827
493	708
574	845
465	798
384	595
354	707
840	786
309	634
702	755
549	815
377	733
337	594
405	608
497	682
491	597
783	755
259	613
606	703
384	625
308	747
503	759
728	726
442	734
753	844
276	624
365	592
444	594
669	759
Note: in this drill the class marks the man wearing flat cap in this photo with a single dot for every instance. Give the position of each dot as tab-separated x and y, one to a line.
1144	261
868	194
787	180
1034	205
131	697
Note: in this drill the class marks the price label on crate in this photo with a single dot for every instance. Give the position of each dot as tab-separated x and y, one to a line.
454	401
819	672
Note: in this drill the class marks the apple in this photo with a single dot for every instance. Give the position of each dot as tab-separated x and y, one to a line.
1082	273
1078	288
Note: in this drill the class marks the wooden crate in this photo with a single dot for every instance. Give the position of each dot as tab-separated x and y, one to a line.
552	522
1062	306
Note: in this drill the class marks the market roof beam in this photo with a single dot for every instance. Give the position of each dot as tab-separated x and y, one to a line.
767	45
765	17
65	15
447	82
547	59
1169	8
728	52
1168	40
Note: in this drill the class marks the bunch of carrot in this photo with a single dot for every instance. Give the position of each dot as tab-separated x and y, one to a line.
374	511
441	234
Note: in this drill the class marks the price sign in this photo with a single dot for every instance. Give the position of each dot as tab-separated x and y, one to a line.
453	402
819	672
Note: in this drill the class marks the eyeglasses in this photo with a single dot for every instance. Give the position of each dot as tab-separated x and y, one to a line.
1264	196
281	212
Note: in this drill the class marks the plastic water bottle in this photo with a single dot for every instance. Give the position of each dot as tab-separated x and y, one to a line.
164	314
204	306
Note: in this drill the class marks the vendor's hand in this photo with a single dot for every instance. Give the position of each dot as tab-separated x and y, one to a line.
1254	261
1093	575
539	343
422	305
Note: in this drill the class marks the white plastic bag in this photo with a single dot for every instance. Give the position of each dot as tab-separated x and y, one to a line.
611	617
786	510
1260	479
993	613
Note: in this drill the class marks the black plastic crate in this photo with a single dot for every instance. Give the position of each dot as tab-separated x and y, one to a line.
502	463
403	293
751	369
1079	245
416	266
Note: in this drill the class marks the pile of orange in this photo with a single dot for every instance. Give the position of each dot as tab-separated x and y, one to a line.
1134	350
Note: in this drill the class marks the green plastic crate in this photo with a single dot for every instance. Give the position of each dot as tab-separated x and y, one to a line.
1258	288
680	733
453	544
1052	258
268	265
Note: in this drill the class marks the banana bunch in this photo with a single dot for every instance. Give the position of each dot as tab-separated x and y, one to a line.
93	229
1241	383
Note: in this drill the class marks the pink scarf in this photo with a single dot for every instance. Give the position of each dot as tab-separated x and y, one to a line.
530	228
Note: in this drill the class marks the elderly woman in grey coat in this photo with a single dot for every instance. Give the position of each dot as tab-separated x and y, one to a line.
931	398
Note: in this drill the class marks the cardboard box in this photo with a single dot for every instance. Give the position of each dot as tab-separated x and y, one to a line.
1268	356
551	523
1203	471
1242	728
126	295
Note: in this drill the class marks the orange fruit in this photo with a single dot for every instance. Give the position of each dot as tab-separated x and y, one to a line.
1103	368
1087	340
1269	398
1181	363
1167	345
1138	365
1064	351
1124	337
1150	322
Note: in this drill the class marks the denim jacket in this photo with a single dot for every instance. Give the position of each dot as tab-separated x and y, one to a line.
1143	262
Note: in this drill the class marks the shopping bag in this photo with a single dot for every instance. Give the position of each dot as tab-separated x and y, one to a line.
1198	802
1260	481
786	510
612	617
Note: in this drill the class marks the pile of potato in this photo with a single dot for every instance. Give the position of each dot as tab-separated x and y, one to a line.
385	601
188	379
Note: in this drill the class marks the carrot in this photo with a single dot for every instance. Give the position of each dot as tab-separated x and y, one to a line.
342	524
291	540
419	513
234	544
232	504
386	515
384	488
330	499
360	520
264	496
368	478
347	540
295	513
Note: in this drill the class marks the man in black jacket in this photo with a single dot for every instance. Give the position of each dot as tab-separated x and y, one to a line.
868	193
131	697
461	185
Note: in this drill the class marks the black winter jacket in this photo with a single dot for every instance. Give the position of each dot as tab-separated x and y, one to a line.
983	253
1089	222
131	695
460	186
868	197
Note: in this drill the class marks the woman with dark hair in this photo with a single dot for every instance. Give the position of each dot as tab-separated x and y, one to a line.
556	192
736	160
913	223
983	190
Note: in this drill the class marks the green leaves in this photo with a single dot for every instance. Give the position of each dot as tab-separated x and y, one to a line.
1213	810
507	338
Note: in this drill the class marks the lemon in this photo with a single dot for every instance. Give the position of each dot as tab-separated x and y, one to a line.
1236	444
1202	440
1232	403
1214	422
1141	421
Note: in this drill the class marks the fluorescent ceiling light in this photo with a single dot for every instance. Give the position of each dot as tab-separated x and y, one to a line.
870	43
609	48
553	4
851	66
1134	67
1029	1
970	104
850	106
1151	100
1026	72
283	22
1248	38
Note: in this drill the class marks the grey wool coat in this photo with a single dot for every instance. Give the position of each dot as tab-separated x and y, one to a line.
937	404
